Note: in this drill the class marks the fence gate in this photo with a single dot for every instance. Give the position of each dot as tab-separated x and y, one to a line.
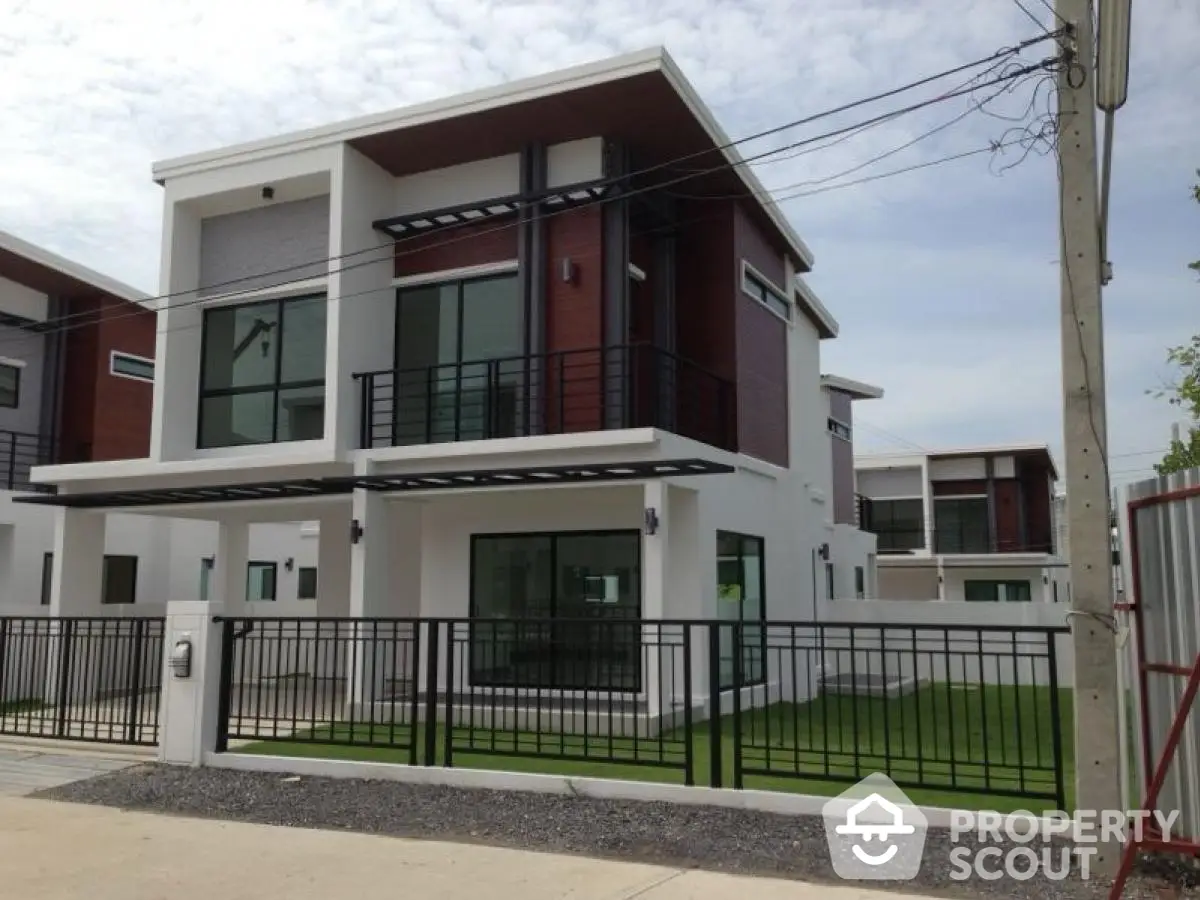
84	679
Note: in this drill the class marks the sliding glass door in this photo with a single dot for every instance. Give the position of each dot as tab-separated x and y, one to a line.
557	610
741	577
459	349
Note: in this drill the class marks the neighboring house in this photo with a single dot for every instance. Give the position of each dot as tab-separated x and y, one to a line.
511	364
968	524
850	567
76	386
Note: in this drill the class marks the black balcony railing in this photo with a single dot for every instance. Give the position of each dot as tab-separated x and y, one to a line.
627	386
19	453
952	541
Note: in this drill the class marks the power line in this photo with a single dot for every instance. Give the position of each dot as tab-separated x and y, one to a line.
1036	21
895	437
94	318
998	55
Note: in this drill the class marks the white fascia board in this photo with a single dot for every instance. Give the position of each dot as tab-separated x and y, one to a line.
813	307
64	266
512	92
889	461
858	390
613	69
194	472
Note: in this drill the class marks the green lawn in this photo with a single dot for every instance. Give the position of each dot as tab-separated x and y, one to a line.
937	737
15	707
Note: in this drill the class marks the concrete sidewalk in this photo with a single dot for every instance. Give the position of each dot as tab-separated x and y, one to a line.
25	768
57	851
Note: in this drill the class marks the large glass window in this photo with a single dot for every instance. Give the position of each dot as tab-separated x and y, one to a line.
899	525
550	608
10	386
458	358
118	579
961	525
741	597
262	377
260	581
997	591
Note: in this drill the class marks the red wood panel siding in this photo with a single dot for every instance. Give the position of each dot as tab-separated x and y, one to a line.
105	417
762	395
453	248
1035	484
952	488
574	321
754	248
1008	515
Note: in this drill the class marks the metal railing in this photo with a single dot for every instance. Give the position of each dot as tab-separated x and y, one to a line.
951	541
963	709
86	679
19	453
594	389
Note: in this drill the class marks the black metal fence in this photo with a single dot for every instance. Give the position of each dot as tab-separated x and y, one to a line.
595	389
956	708
86	679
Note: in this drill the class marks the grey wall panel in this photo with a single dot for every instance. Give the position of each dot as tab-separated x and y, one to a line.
245	245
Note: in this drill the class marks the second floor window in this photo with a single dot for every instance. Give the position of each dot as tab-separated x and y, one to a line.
10	386
961	525
262	372
898	525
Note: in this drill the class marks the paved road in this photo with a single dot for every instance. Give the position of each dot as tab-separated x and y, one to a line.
25	769
58	851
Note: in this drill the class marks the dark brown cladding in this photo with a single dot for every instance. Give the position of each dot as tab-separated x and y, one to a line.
468	245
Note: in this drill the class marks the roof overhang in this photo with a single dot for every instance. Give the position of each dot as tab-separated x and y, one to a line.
641	96
810	304
48	273
858	390
316	488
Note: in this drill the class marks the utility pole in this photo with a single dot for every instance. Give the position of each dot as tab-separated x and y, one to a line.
1097	745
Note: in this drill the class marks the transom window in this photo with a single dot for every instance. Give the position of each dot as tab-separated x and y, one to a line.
766	295
262	378
126	365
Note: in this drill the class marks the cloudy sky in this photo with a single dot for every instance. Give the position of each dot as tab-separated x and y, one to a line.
944	279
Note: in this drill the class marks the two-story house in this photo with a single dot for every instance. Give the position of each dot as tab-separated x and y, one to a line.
974	524
537	350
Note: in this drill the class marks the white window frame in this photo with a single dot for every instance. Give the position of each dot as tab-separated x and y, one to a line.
112	362
768	284
463	273
848	437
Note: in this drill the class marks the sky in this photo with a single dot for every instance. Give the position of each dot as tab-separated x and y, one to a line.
944	279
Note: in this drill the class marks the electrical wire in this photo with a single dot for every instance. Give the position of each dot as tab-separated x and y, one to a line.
1034	19
95	318
999	55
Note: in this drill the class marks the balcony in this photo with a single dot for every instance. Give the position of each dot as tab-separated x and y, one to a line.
951	542
19	453
563	392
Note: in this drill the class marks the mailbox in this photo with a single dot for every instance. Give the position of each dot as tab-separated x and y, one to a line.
181	658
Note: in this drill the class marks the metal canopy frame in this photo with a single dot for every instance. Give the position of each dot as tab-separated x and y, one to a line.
315	488
561	197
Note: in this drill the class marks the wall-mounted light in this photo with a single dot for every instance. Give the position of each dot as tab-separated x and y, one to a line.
356	531
289	563
823	552
268	192
651	520
568	270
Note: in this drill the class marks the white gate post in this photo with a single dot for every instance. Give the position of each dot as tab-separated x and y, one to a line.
188	715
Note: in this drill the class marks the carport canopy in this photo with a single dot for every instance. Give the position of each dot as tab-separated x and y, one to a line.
322	487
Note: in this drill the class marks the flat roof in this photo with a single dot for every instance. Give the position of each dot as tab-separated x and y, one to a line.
858	390
38	268
369	133
913	458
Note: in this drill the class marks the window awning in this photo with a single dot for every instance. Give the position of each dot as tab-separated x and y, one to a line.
316	488
496	208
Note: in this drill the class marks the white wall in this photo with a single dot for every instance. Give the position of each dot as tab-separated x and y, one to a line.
850	549
886	484
19	300
482	179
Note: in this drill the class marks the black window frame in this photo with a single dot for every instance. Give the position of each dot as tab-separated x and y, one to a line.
761	621
267	565
301	574
16	390
764	292
839	429
134	360
860	582
478	629
47	576
885	535
994	587
276	387
953	541
105	597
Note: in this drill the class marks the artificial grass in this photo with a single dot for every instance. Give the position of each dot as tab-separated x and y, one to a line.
936	740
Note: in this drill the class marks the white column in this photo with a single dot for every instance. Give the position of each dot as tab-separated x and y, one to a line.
77	582
333	567
188	714
370	570
228	587
655	581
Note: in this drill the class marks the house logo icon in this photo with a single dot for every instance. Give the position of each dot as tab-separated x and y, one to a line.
874	832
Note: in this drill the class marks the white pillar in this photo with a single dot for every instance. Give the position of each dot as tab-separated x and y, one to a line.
228	588
655	579
188	714
333	567
370	570
77	582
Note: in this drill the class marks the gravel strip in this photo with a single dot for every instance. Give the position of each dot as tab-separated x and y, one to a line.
681	836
